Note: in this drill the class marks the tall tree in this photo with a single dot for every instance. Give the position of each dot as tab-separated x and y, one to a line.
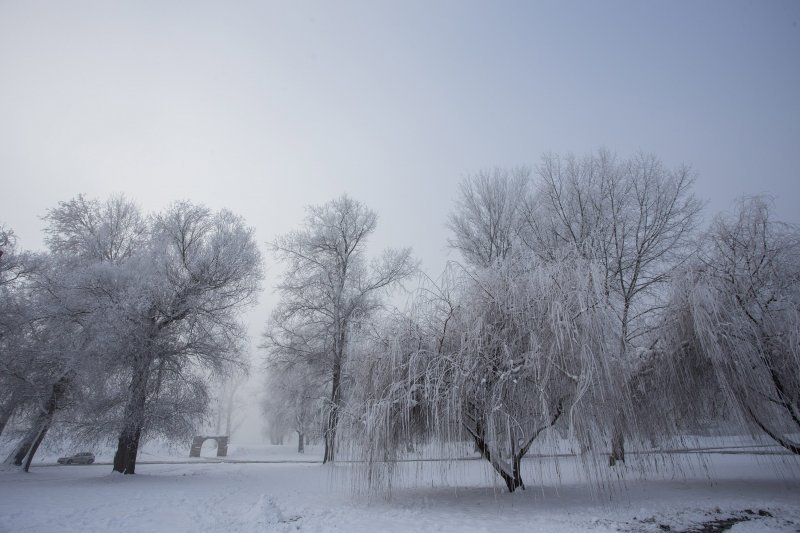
328	286
52	341
207	267
743	297
15	315
154	303
636	219
55	355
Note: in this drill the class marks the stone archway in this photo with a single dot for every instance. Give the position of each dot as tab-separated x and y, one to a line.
197	445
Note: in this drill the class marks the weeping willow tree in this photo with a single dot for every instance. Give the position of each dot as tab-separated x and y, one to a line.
498	357
741	308
633	218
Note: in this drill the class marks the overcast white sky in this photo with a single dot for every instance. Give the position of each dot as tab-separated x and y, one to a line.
264	107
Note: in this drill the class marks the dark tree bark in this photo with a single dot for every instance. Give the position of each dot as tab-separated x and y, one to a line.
617	446
24	446
36	444
128	443
30	443
127	450
333	416
511	476
300	448
7	410
512	479
774	435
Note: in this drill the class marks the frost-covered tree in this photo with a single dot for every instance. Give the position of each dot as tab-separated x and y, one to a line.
78	297
743	301
41	345
676	391
16	316
327	287
635	219
488	214
55	353
501	357
89	229
206	268
150	306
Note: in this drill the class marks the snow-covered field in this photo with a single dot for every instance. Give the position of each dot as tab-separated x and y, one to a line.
763	491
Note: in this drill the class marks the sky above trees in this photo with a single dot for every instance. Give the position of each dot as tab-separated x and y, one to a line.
264	108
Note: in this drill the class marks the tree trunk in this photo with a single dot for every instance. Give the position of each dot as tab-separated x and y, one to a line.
30	443
36	444
618	436
511	474
5	416
512	479
774	435
7	410
333	416
617	445
300	448
23	447
128	444
127	449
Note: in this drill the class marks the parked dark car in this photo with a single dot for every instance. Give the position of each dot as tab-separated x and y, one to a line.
83	458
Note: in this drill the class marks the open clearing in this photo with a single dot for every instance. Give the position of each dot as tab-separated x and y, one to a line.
749	492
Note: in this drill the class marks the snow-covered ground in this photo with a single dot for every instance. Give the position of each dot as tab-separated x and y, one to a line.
761	490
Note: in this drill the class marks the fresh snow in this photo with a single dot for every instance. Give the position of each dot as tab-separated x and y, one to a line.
463	496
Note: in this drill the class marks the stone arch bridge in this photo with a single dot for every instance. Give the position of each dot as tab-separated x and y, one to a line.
197	445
